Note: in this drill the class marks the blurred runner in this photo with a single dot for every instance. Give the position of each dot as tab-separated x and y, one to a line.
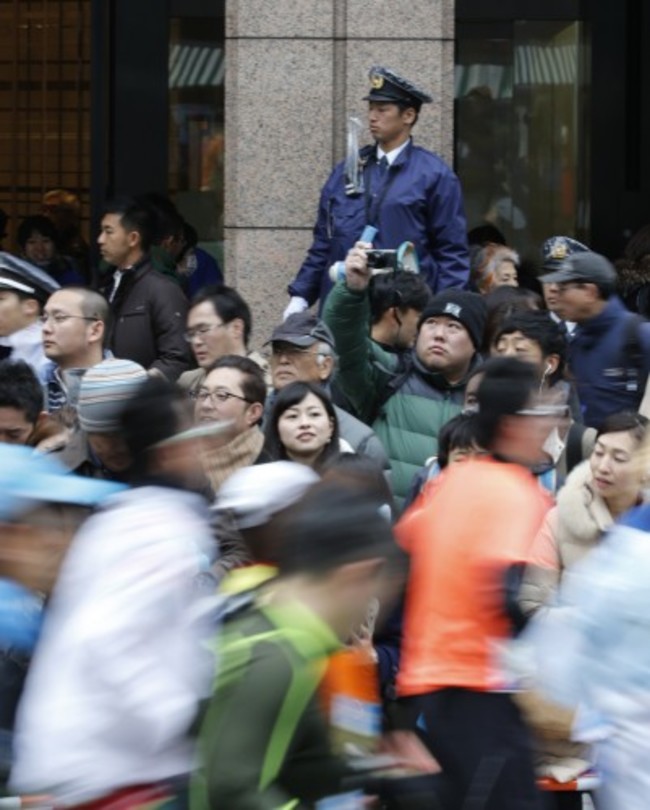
476	520
41	506
118	675
265	742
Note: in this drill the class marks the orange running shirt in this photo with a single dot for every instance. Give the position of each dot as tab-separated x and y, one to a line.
469	525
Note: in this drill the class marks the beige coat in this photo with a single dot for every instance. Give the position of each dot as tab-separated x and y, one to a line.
571	529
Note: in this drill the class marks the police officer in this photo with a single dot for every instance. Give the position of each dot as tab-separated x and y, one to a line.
404	191
24	289
555	251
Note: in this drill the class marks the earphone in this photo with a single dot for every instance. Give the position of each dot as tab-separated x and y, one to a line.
548	369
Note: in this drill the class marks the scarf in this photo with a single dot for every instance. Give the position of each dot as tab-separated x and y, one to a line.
242	451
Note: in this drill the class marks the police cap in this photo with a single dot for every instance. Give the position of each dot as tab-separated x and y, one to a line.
25	279
386	85
557	249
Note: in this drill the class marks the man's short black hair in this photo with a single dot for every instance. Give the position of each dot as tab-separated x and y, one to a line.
332	525
20	389
507	387
459	433
167	219
253	384
228	304
538	326
135	215
402	290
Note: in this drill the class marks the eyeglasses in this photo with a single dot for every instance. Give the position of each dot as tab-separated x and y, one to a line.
58	318
204	394
201	331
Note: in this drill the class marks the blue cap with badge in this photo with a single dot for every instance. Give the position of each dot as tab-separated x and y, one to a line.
557	249
386	85
25	279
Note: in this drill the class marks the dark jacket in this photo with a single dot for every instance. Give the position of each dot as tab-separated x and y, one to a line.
608	377
422	204
148	321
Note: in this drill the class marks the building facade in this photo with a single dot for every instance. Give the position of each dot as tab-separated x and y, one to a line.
238	109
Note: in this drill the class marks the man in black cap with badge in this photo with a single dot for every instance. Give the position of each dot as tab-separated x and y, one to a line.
555	251
609	355
402	191
24	289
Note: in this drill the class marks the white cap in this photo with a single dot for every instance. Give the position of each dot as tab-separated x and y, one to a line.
254	494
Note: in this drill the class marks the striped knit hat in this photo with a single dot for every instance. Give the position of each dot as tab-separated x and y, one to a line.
105	389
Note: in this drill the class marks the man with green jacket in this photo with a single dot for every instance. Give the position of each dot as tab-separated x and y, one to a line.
406	402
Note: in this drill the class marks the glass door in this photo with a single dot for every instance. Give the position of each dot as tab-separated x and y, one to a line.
522	153
196	122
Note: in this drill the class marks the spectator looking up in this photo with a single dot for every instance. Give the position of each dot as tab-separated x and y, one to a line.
407	405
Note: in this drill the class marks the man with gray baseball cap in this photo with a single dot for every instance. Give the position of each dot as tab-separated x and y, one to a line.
609	355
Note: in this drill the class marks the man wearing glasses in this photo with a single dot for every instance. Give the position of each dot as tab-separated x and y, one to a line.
232	393
609	355
219	323
74	324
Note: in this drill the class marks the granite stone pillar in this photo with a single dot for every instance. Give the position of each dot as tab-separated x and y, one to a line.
294	70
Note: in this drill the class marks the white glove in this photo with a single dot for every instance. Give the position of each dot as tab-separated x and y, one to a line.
296	304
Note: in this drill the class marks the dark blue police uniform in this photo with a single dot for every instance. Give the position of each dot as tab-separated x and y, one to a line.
416	199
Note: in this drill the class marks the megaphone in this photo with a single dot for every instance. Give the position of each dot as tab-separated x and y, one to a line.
405	258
